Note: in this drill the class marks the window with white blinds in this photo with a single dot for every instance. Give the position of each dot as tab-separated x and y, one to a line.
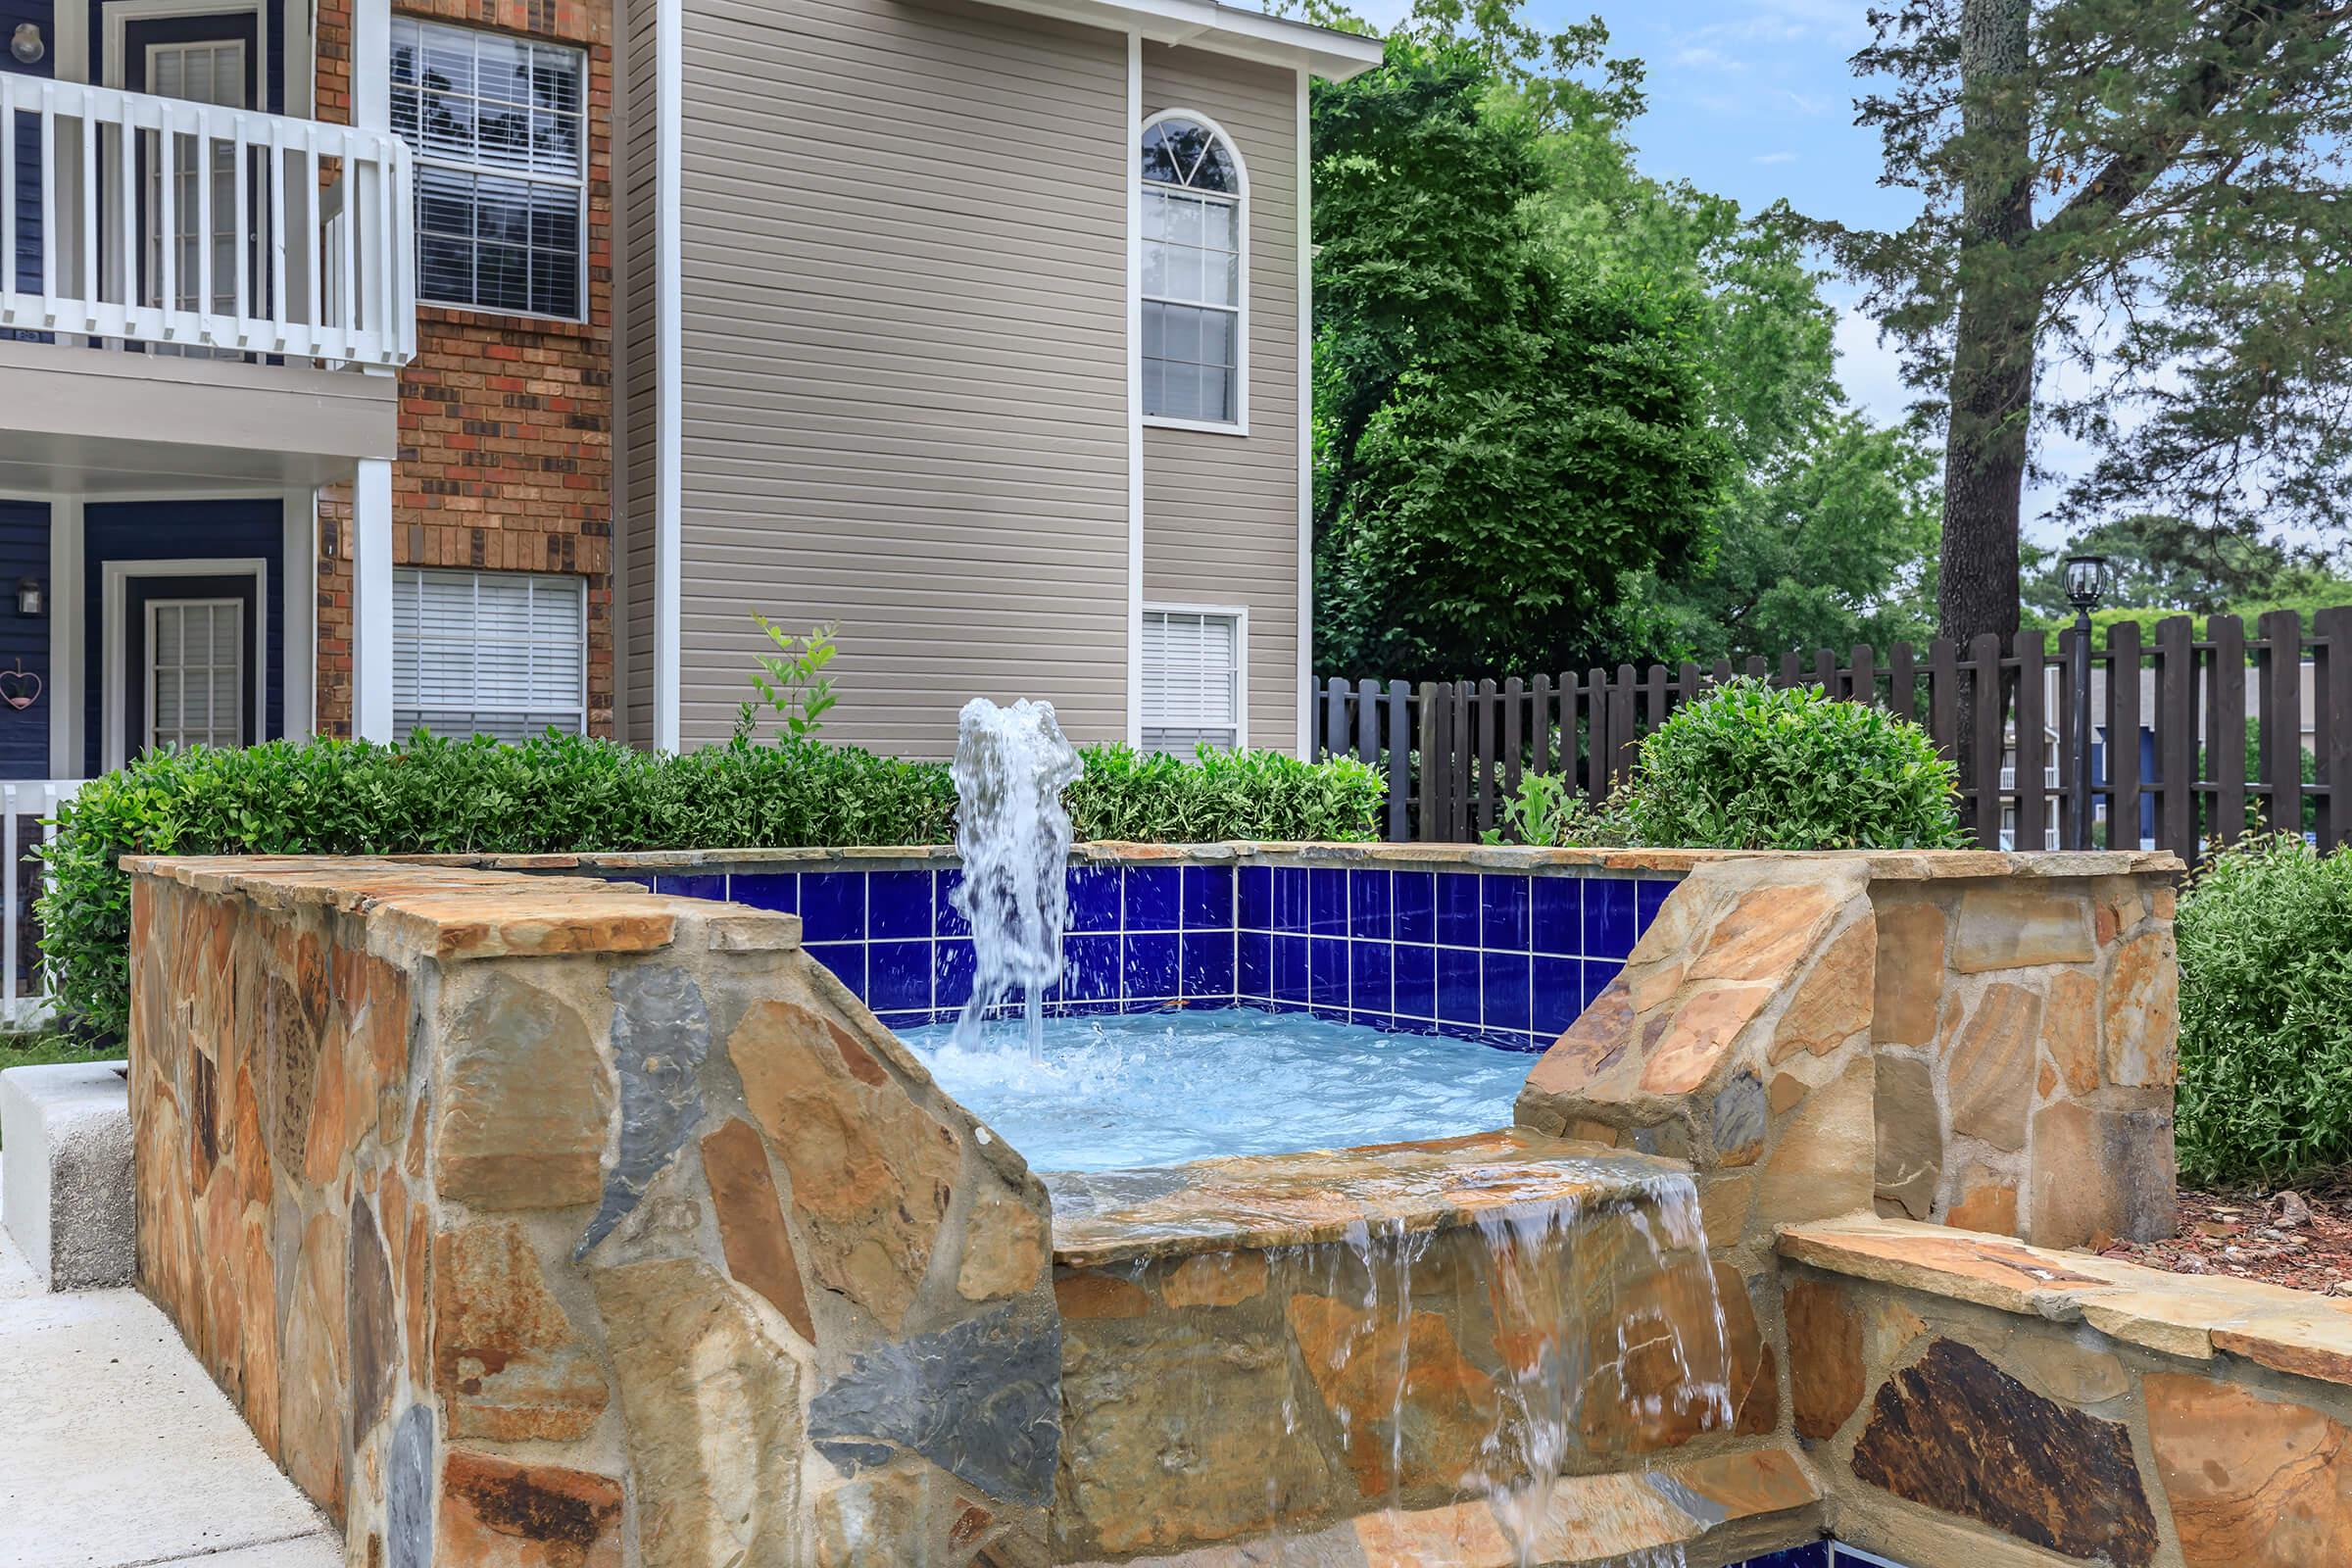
1192	679
195	672
489	652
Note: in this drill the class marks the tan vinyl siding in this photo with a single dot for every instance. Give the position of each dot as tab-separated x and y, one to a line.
905	395
637	371
1221	512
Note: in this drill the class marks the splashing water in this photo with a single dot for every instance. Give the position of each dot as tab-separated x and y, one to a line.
1011	765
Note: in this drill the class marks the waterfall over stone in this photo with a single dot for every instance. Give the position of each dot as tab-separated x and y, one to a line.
1011	765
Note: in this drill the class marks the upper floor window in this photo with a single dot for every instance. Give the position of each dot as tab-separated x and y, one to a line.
1192	295
497	128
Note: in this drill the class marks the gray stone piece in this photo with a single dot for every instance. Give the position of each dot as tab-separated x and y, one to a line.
661	1034
982	1400
66	1195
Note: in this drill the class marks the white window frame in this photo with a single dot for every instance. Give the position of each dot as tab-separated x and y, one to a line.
1240	424
408	580
1238	614
147	741
425	159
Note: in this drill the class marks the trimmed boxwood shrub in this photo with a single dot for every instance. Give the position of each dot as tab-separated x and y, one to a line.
567	794
2265	932
1754	766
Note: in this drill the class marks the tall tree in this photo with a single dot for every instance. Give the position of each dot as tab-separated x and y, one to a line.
1503	435
2191	266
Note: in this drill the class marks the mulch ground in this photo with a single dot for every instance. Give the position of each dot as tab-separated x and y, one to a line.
2298	1238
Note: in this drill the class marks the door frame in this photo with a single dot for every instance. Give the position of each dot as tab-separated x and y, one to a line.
115	637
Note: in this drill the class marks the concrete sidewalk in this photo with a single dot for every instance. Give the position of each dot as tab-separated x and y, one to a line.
117	1451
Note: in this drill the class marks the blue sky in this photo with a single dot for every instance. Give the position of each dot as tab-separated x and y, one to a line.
1754	99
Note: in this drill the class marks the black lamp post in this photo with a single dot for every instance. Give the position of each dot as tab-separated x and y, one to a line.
2088	578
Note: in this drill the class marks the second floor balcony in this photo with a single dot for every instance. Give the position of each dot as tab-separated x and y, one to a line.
191	228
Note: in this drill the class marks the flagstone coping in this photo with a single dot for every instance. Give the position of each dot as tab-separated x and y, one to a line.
452	912
1589	1519
1904	865
1262	1201
2192	1316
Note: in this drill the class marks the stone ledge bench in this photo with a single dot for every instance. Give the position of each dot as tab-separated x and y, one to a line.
64	1172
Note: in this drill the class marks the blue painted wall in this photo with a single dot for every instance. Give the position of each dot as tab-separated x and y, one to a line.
274	76
172	530
23	640
14	13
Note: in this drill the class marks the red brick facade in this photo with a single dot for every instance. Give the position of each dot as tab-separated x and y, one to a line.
505	422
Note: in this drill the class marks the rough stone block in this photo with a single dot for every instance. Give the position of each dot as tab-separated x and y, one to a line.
65	1195
2100	1171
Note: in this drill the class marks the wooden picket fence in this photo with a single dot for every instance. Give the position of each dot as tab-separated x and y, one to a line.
1452	751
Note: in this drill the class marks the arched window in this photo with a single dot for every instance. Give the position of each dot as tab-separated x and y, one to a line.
1194	191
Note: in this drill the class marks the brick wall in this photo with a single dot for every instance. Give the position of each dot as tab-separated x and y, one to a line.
505	422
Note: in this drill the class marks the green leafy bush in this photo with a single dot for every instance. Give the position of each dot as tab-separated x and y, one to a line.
1128	794
1549	811
1752	766
2265	931
566	794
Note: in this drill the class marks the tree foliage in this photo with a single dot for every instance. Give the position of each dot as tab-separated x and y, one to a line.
2150	193
1502	435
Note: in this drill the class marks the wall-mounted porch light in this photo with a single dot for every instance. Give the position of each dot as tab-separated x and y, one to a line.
25	43
30	600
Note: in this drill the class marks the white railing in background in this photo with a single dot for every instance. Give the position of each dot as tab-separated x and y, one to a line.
24	810
210	230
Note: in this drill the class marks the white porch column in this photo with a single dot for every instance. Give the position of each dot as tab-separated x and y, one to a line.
371	600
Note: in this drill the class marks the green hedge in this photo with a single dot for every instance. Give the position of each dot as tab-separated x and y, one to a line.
2265	932
566	794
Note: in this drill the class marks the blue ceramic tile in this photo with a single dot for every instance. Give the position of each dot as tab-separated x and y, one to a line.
1457	984
900	1023
1155	898
952	974
1290	897
1413	896
1368	908
1335	1014
1648	894
1502	911
1457	909
1403	1025
1610	918
1256	899
846	960
1148	967
1327	977
1253	959
898	974
1090	1009
943	919
1368	970
698	885
1813	1554
769	890
1327	901
1505	985
1094	897
1558	994
833	905
1381	1021
1417	971
1290	970
1208	963
898	904
1559	914
1208	898
1598	973
1090	966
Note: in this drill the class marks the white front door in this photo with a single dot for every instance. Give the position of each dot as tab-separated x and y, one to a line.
196	676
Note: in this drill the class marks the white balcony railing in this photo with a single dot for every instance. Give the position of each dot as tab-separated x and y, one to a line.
201	229
26	810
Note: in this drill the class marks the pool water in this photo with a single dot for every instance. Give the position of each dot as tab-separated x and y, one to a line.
1155	1087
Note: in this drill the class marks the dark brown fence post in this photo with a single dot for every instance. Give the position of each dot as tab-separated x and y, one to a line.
1596	735
1902	682
2225	729
1335	717
1400	764
2064	749
1514	733
1986	708
2282	707
2331	740
1368	736
1538	701
1436	768
2033	744
2123	735
1621	724
1943	697
2176	736
1465	737
1861	678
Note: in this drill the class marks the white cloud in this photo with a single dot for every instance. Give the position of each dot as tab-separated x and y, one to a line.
1775	158
1698	56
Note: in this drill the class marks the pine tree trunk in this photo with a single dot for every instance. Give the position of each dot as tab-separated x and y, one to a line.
1993	352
